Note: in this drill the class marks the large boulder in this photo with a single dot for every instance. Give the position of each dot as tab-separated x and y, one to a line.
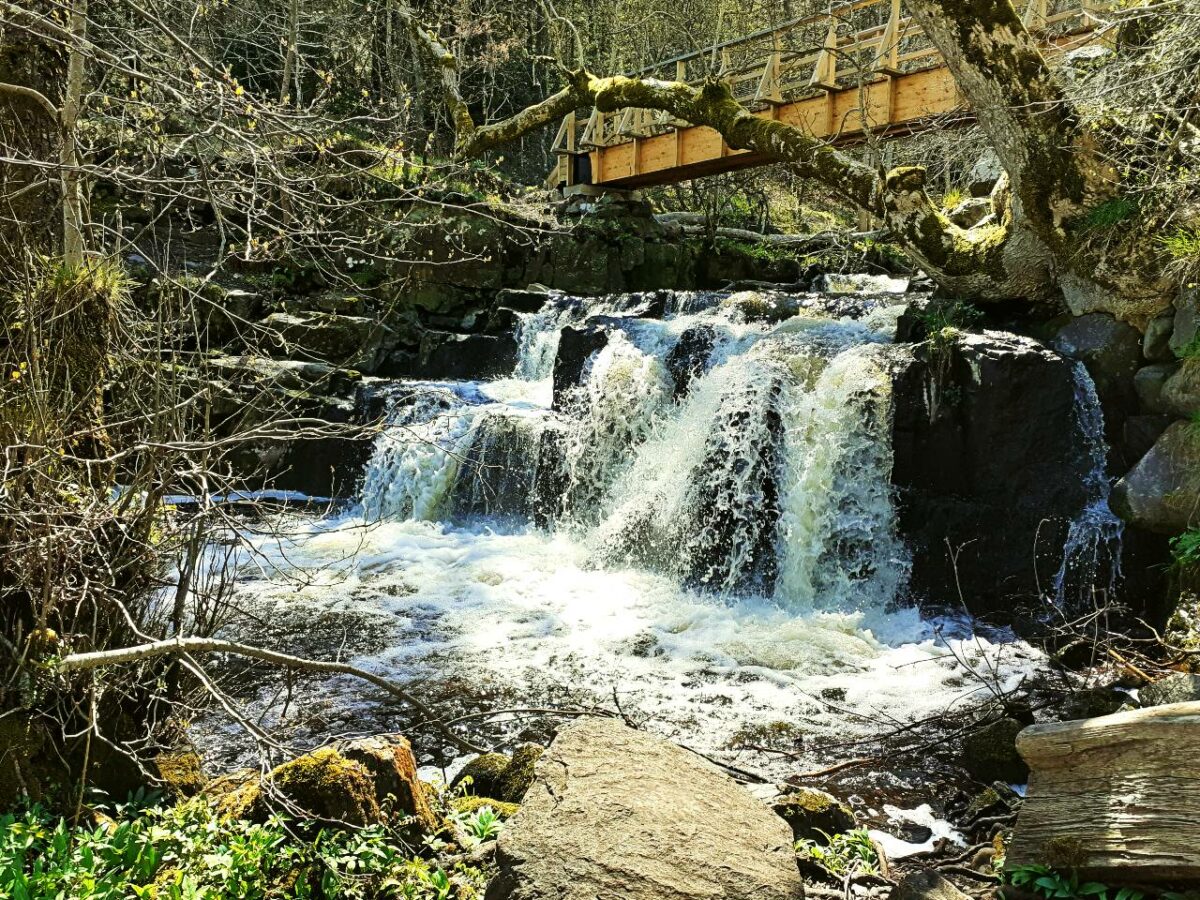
1149	383
814	815
983	432
1181	687
1162	492
575	347
615	812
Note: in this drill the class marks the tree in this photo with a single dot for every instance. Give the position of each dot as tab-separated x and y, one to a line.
1057	167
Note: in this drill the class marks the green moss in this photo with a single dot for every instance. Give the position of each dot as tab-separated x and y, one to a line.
485	773
518	777
468	805
814	815
181	773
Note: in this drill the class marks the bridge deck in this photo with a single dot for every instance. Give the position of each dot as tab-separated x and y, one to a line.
864	68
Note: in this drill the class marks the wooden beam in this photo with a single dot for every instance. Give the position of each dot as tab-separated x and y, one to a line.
1114	797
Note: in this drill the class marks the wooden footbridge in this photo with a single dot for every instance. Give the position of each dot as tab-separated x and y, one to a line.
864	68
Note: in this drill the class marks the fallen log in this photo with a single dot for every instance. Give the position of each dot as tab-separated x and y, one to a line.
1115	797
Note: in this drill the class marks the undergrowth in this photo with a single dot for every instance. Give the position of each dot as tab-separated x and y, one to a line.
187	852
843	855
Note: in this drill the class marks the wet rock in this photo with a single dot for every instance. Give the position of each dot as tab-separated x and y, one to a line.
527	300
814	815
1179	688
971	212
1148	383
1111	350
455	356
1162	492
990	753
370	781
689	357
615	812
759	306
354	342
979	436
1180	394
1156	341
926	884
575	348
1140	433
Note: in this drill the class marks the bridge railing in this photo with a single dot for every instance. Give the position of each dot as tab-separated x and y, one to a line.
854	43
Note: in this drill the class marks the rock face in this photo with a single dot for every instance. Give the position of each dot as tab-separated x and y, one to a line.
1112	352
575	348
1162	492
1187	319
615	812
355	342
981	436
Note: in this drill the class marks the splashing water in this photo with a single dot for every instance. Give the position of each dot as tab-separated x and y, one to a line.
1093	545
704	529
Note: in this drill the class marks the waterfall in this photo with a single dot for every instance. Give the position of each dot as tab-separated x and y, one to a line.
1092	551
752	460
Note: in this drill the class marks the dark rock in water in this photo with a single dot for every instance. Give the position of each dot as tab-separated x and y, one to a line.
814	815
982	435
550	478
449	355
1180	688
990	753
689	357
911	832
926	884
615	812
497	476
529	300
575	348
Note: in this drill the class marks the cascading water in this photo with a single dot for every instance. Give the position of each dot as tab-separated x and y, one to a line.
1092	551
700	524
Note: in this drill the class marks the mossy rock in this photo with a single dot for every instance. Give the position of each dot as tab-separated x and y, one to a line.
468	805
180	772
990	753
485	772
364	782
518	776
813	814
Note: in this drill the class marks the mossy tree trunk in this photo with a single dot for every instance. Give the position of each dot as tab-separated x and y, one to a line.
1034	248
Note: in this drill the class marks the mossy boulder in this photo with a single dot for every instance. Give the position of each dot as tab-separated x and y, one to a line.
363	782
468	805
814	814
485	772
990	753
517	778
180	773
1182	633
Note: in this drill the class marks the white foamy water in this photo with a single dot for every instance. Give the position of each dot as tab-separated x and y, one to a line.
703	533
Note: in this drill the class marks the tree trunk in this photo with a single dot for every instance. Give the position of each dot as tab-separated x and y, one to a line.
289	56
71	177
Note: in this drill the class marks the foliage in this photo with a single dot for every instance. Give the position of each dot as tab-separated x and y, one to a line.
763	252
483	824
1183	244
186	852
1111	212
1055	885
957	314
1185	548
843	855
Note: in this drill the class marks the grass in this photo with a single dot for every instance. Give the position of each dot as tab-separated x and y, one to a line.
1183	244
187	852
1111	212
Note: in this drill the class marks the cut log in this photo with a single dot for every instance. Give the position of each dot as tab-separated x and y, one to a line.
1115	797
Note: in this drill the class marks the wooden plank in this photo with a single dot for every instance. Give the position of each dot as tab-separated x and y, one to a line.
1115	796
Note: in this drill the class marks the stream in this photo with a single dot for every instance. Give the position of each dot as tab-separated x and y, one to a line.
697	530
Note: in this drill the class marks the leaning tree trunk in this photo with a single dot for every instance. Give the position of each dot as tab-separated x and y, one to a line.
1033	249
